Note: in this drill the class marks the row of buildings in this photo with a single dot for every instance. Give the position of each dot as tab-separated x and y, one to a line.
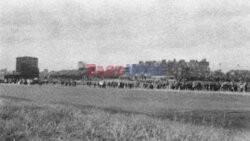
27	67
181	68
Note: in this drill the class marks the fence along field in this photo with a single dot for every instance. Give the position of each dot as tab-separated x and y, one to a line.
223	111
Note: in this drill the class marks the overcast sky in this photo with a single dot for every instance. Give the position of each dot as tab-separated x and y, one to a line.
119	32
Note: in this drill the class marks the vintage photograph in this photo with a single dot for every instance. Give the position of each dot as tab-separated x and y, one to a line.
124	70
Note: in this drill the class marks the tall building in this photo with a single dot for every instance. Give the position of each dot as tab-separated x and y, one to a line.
27	67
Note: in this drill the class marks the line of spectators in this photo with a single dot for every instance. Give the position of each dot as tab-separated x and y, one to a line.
145	84
174	85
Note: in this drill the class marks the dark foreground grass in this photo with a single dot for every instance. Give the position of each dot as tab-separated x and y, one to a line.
66	113
227	110
27	122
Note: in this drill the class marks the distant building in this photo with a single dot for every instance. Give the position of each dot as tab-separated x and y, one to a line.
27	67
204	65
3	72
46	71
81	65
44	74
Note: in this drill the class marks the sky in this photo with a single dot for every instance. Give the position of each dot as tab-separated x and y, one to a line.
118	32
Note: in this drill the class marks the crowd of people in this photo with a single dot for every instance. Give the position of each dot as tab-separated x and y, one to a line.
174	85
144	84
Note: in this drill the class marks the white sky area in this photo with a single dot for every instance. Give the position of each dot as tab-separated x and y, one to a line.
118	32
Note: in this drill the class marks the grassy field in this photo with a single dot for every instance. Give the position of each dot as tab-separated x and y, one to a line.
76	113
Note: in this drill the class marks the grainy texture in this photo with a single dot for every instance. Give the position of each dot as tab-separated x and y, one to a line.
46	112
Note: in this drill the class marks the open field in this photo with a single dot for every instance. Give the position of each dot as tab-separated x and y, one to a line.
76	113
